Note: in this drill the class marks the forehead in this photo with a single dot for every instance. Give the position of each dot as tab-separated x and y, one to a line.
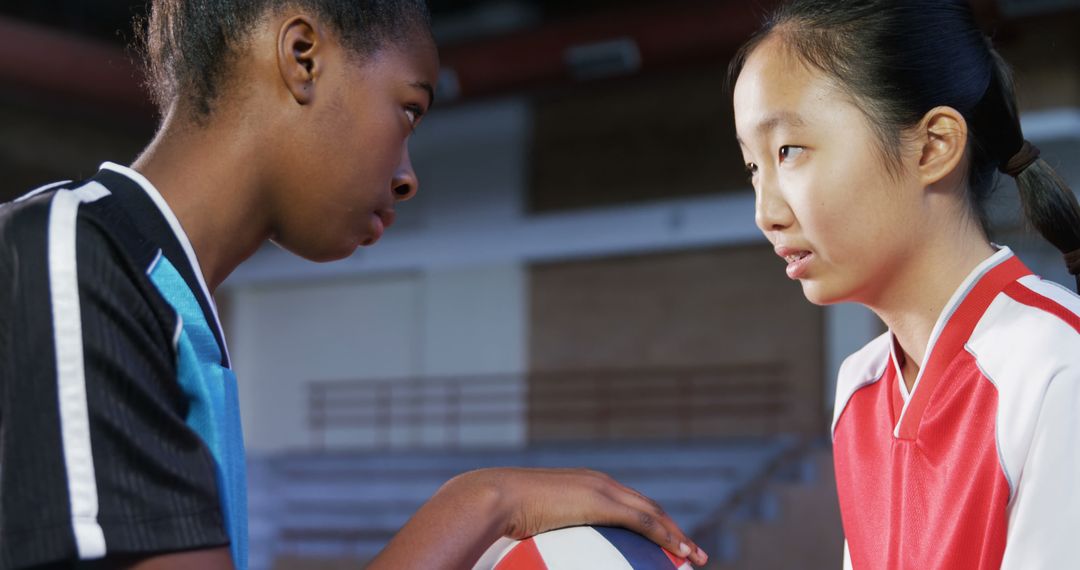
419	54
776	89
418	48
414	53
413	61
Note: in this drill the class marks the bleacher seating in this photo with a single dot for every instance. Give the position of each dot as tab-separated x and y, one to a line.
346	505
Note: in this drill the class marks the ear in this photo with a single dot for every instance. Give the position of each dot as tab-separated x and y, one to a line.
943	135
299	57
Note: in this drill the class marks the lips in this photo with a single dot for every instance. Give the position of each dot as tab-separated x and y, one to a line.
797	260
380	221
387	218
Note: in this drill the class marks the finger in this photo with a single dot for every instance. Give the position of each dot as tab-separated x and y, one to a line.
603	500
651	526
651	509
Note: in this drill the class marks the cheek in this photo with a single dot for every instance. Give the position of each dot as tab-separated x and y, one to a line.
377	149
843	217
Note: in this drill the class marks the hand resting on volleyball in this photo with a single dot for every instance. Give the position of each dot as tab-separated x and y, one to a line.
474	509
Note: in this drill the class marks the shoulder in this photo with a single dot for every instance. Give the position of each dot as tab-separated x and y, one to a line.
71	241
1027	344
68	213
1029	334
27	216
861	369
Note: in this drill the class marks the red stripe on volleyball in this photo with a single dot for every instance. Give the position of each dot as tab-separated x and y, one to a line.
675	559
523	556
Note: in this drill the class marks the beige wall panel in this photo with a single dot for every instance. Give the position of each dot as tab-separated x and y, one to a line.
713	342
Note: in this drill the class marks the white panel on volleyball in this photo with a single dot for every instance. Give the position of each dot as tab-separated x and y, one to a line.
579	547
563	549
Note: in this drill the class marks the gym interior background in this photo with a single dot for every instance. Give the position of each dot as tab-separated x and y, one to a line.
578	283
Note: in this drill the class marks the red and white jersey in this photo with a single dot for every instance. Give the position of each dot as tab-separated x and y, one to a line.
979	466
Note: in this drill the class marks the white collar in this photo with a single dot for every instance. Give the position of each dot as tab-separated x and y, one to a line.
1001	254
178	230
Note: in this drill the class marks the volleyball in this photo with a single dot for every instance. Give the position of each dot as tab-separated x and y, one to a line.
581	548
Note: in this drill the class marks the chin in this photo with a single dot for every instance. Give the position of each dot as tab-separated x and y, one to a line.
320	252
819	293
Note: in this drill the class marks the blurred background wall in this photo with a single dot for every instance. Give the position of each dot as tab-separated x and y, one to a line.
578	282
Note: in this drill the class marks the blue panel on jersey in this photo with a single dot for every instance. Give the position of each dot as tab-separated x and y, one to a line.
214	411
640	552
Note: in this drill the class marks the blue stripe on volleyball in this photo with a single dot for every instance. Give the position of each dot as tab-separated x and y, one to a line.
640	552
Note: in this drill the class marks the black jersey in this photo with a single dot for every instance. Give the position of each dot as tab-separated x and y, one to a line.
114	381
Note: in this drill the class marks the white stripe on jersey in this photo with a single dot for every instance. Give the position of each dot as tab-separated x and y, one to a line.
1020	349
1030	355
39	190
858	370
153	264
1056	292
70	374
179	330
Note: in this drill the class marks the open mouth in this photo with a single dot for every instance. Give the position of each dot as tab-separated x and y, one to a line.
797	256
798	261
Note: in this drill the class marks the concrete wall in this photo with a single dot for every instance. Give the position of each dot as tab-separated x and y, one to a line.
389	327
290	335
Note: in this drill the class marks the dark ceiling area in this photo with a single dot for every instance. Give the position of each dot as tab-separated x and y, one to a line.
76	50
113	20
110	20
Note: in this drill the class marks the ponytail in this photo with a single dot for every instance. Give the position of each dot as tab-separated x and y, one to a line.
1049	205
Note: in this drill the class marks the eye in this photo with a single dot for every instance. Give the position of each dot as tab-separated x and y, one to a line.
414	114
788	152
751	170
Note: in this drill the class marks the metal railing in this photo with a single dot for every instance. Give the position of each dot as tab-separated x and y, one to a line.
594	405
386	406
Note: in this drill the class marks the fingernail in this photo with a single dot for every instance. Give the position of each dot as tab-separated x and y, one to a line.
702	554
684	550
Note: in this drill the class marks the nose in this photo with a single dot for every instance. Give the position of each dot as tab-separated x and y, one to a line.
405	183
771	210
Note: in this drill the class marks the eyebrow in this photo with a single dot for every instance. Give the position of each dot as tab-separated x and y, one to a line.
774	120
425	86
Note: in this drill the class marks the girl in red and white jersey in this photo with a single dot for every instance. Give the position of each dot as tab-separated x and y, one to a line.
873	131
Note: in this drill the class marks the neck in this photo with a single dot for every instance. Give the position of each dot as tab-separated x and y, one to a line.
922	285
208	177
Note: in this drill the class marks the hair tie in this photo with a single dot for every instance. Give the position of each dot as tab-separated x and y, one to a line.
1072	261
1023	158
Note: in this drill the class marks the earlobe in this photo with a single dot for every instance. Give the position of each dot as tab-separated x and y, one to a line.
299	58
944	135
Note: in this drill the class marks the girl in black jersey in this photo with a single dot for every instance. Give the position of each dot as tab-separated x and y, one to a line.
289	121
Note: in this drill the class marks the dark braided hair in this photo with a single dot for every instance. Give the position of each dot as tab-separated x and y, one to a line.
901	58
189	46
